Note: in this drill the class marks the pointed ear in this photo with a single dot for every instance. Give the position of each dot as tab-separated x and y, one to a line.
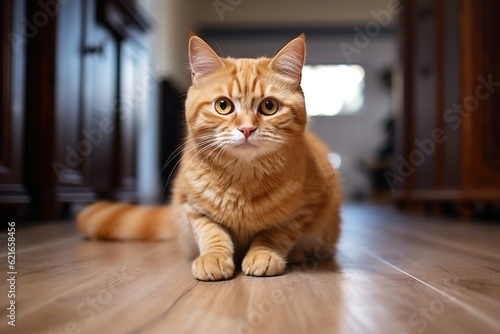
202	58
290	59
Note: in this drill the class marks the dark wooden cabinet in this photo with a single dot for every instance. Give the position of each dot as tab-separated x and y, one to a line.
134	92
12	81
449	138
171	129
70	109
56	165
481	94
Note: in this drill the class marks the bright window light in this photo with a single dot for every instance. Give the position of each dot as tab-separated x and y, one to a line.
333	89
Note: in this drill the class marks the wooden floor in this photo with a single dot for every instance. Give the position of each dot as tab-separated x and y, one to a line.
393	274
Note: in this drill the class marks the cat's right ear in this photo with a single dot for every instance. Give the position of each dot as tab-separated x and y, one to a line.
202	58
290	59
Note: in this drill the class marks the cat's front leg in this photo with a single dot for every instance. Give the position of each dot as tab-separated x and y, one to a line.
268	251
215	261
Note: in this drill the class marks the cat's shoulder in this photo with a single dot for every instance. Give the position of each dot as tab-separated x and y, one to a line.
314	143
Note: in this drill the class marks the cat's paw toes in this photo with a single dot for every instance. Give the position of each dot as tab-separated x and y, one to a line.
263	263
213	267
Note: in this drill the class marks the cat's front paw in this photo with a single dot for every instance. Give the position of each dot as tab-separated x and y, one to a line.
213	267
263	263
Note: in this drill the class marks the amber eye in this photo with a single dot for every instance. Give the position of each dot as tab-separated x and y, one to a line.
269	106
223	106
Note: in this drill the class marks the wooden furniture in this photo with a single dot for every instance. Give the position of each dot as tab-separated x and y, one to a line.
171	129
86	87
449	138
12	80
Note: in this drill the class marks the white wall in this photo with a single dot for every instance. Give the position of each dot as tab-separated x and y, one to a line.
285	12
173	20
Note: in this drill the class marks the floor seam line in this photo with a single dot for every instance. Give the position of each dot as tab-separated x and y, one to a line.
477	313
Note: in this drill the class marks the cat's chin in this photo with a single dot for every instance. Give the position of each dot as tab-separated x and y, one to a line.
251	151
247	146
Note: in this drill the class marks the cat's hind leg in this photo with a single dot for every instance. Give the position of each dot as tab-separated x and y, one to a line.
316	245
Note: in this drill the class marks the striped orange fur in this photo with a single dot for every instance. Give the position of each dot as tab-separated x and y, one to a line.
254	186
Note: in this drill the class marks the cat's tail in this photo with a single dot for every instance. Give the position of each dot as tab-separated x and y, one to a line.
122	221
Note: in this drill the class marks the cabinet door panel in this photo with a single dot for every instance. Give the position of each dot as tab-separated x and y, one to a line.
492	67
72	148
12	56
133	93
425	88
103	104
481	138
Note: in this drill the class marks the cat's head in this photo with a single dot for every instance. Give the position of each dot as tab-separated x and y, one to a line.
250	107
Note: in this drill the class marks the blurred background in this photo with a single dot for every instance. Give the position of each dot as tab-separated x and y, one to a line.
405	93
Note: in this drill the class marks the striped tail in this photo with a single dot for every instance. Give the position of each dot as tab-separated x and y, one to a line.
122	221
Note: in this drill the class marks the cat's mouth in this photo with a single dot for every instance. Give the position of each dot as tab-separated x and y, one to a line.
246	146
245	143
251	149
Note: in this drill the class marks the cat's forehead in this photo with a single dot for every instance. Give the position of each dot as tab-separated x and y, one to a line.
247	76
247	66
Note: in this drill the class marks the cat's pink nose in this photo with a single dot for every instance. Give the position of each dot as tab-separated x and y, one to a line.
247	130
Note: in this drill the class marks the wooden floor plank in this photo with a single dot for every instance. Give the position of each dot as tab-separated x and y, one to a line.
101	281
393	273
52	273
40	236
476	235
441	269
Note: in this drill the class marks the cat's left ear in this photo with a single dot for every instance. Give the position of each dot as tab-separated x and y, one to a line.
202	58
290	59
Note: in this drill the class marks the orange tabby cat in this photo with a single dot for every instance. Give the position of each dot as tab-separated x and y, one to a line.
253	182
